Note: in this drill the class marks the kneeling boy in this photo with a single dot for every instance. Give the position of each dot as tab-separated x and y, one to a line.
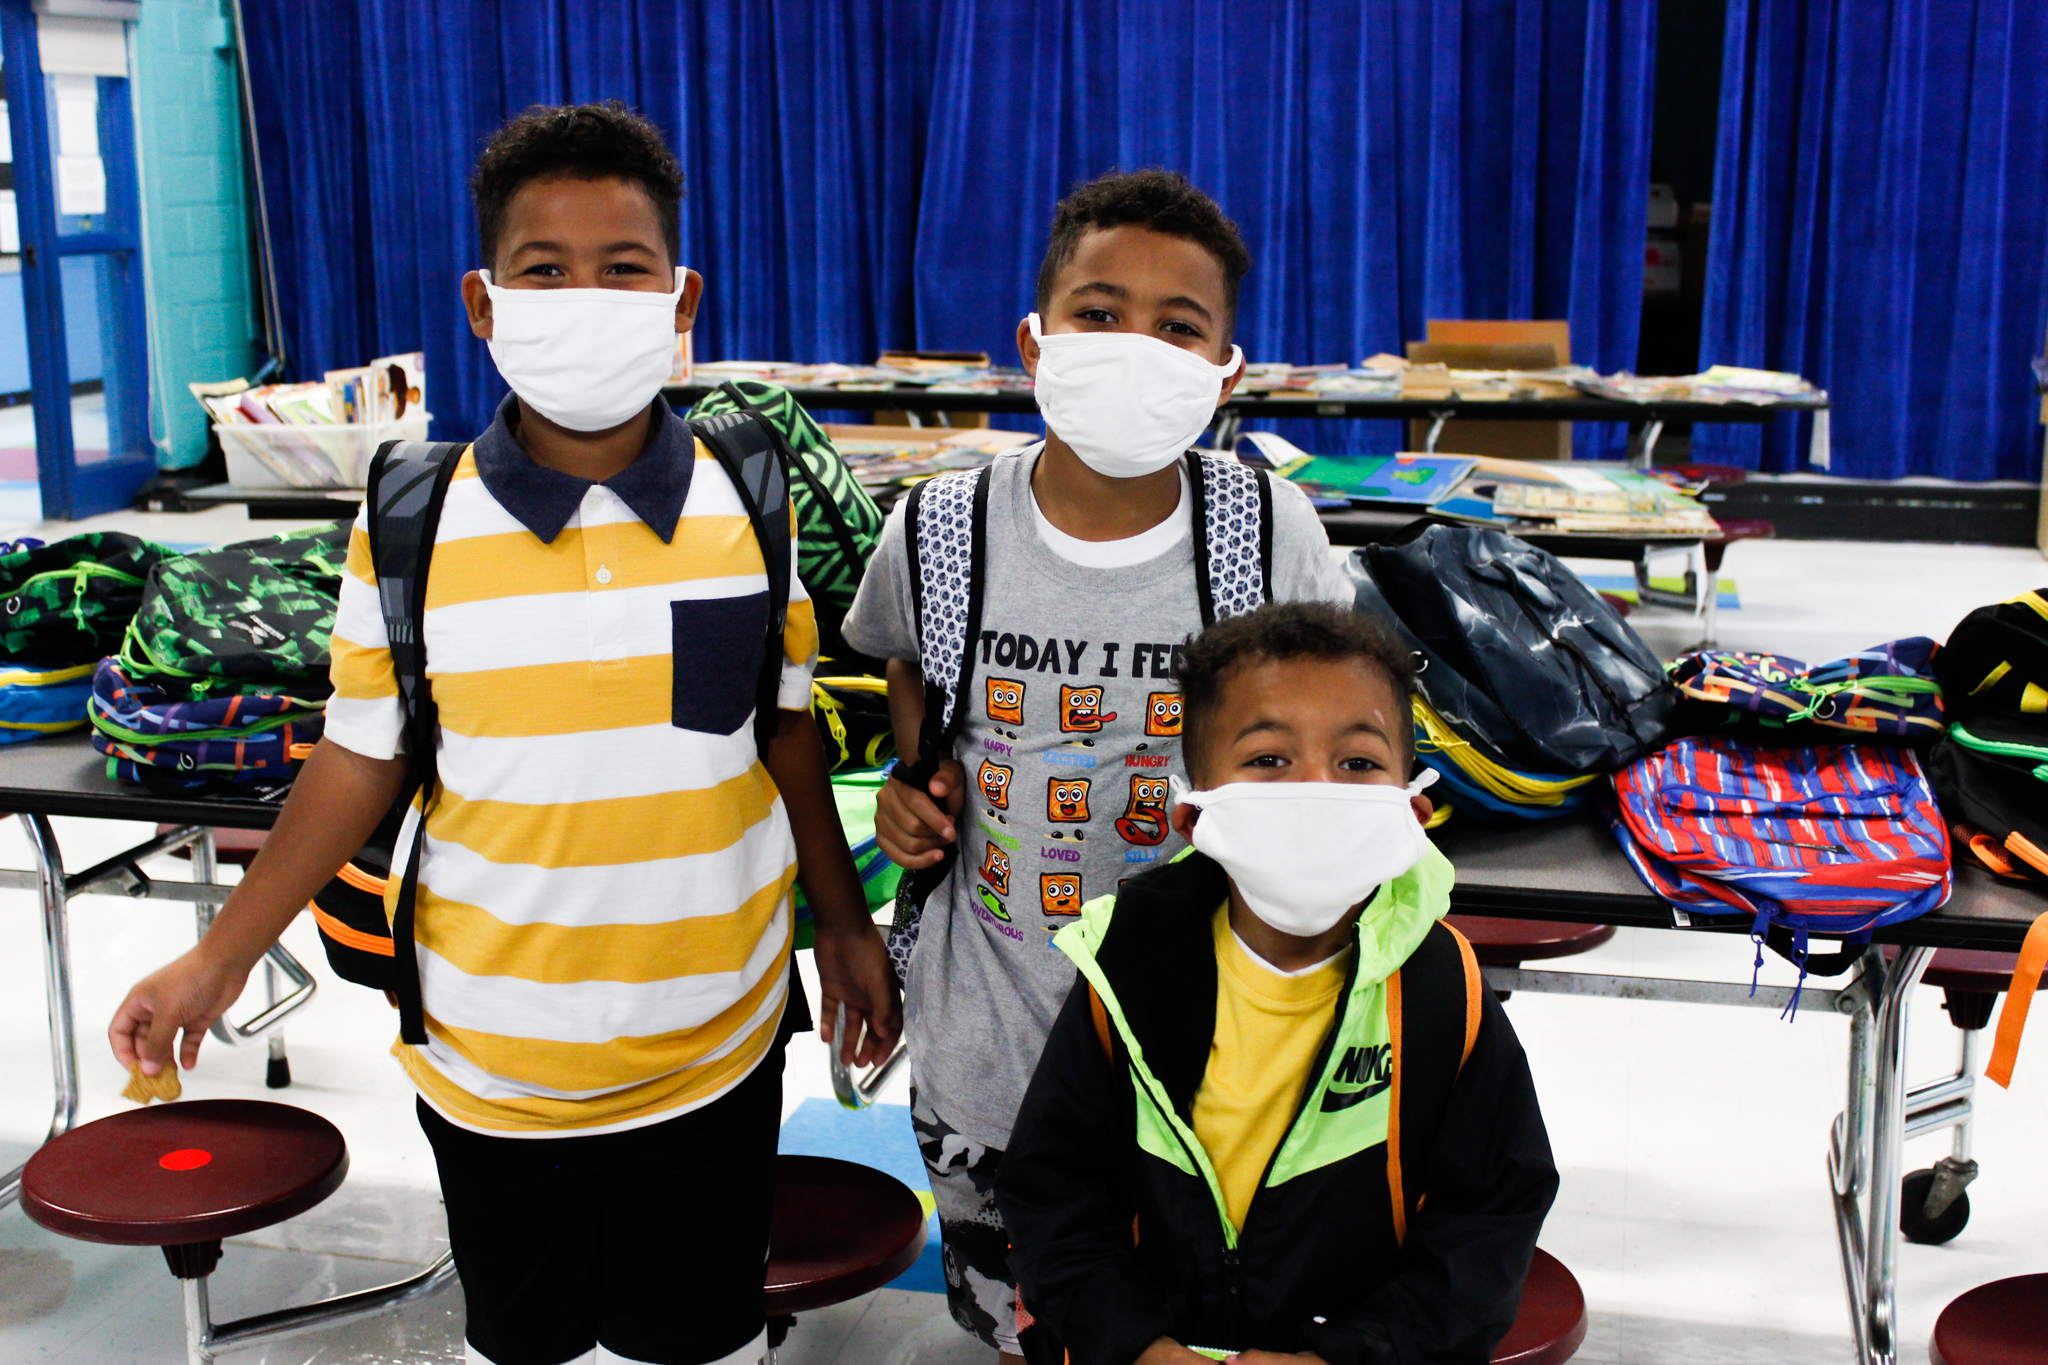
1280	1112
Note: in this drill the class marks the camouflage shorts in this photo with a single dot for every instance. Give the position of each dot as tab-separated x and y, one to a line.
980	1292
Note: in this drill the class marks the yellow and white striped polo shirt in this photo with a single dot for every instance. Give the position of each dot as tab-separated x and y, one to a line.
603	921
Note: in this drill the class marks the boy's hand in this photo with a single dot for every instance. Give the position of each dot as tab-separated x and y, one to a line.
1273	1358
189	994
853	968
915	828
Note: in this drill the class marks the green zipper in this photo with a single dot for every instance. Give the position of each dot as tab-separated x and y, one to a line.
1993	746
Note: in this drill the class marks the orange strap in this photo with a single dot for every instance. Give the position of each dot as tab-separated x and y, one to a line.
350	938
2019	994
1475	982
361	880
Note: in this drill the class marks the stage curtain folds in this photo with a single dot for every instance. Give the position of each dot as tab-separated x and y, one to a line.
1878	227
882	173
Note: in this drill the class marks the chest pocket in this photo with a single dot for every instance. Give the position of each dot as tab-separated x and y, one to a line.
719	646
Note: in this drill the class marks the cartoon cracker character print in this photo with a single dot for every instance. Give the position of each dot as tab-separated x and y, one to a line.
1059	893
1066	800
995	870
994	781
1162	713
1081	710
1144	819
1005	701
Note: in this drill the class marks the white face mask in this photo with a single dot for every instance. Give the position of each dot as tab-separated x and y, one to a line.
585	359
1127	404
1303	853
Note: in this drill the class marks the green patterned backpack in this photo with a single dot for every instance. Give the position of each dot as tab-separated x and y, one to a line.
244	618
71	601
838	524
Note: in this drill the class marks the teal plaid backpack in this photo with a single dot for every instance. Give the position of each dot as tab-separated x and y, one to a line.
838	525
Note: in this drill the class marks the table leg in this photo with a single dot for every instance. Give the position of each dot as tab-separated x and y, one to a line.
1436	429
1645	453
1870	1260
57	989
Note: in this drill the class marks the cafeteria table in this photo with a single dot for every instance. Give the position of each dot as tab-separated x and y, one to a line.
1568	870
1573	870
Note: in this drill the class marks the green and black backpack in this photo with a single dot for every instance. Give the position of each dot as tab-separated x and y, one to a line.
837	524
1991	768
70	602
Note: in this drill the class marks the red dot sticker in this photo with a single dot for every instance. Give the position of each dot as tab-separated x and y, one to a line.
184	1159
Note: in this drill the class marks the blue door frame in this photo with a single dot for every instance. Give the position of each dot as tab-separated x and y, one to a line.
70	490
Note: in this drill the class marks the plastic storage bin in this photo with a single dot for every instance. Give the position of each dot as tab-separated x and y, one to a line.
311	457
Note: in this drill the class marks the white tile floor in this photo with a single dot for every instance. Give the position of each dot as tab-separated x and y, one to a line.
1691	1139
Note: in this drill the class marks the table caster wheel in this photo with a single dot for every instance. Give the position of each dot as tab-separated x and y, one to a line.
1920	1226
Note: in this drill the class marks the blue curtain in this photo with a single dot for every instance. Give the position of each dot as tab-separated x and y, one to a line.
1878	227
874	173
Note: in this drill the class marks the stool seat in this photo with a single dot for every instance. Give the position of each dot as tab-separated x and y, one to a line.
839	1230
1970	969
1732	530
2001	1323
1551	1324
237	846
183	1173
1498	942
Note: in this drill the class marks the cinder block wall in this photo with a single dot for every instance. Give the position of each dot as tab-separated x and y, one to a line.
195	197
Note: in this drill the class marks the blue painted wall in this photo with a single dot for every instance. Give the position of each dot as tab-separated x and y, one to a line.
188	126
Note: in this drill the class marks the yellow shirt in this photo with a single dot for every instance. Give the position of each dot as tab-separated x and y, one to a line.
1269	1027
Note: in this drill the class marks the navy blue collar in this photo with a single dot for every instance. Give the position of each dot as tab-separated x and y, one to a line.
653	486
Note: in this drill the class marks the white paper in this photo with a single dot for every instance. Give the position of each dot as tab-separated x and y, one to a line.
10	225
81	185
82	47
6	135
78	114
1818	452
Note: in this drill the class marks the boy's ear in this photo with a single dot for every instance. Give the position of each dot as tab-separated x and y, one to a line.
1027	347
476	301
1183	820
687	301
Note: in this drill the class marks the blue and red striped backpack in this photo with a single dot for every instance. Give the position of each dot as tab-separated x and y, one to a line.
1836	839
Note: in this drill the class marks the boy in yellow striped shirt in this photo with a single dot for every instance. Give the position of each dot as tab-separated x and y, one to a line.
603	924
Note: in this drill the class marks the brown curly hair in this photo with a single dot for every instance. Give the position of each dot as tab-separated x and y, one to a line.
1161	200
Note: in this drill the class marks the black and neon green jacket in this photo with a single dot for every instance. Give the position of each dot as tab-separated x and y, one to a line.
1397	1218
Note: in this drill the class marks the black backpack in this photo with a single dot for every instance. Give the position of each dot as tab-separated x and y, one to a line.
408	482
1518	653
1991	769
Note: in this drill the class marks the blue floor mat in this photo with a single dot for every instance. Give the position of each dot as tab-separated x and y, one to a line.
880	1137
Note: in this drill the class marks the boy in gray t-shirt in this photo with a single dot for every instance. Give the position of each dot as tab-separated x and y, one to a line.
1055	787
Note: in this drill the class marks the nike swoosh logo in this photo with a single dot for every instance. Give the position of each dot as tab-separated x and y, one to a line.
1334	1100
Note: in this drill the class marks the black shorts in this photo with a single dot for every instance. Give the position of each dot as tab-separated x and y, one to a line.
652	1242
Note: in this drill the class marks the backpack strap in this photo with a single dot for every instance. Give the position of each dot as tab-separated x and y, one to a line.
945	531
1434	1009
1233	535
753	455
408	483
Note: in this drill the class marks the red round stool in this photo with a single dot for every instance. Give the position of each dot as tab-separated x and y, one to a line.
184	1176
1933	1208
1552	1322
2001	1323
839	1230
1498	942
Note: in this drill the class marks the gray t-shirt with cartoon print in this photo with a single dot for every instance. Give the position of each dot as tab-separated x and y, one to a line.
1072	734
